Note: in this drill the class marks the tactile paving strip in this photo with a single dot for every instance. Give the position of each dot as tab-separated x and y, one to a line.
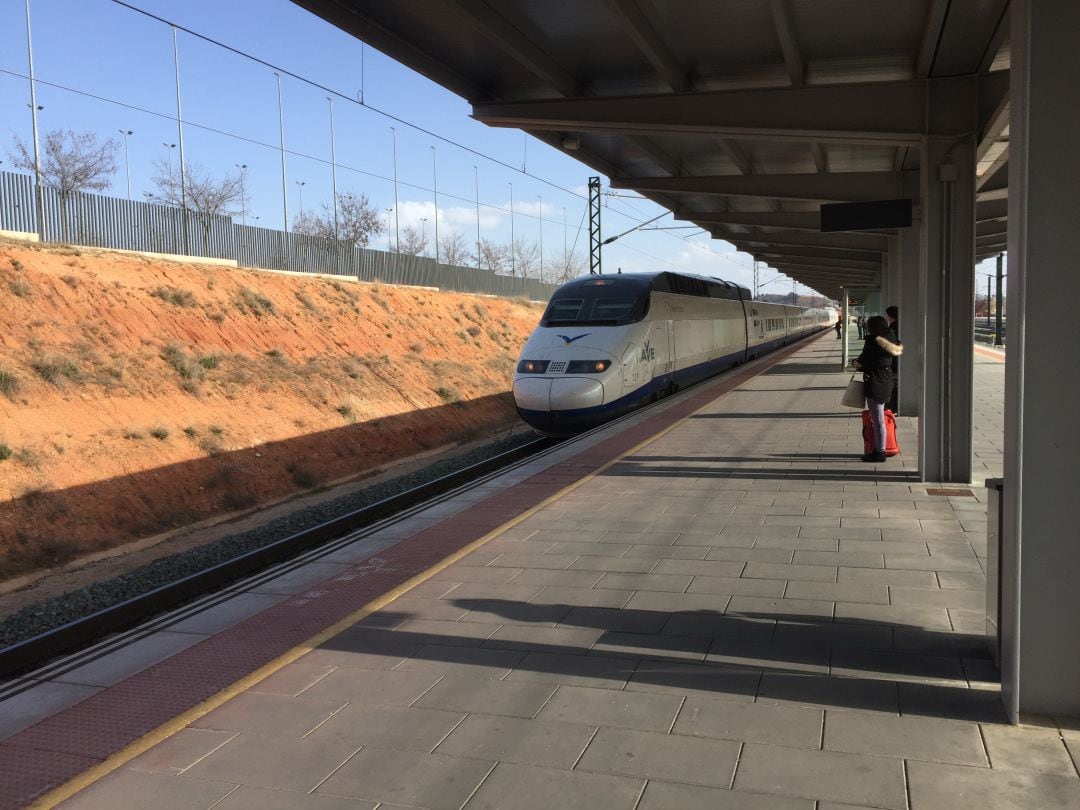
59	748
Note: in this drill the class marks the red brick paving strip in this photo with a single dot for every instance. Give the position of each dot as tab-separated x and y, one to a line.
59	748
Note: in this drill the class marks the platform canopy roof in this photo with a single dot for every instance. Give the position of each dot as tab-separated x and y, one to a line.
741	116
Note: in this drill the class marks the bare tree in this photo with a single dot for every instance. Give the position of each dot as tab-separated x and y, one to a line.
494	257
206	196
413	243
525	258
453	249
70	162
357	221
564	266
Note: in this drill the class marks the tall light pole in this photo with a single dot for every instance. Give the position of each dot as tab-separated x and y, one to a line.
435	186
566	258
513	264
243	197
281	147
476	178
541	199
127	161
39	196
180	141
333	165
389	248
997	330
300	184
169	147
397	205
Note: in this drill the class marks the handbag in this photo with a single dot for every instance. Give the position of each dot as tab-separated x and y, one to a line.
854	396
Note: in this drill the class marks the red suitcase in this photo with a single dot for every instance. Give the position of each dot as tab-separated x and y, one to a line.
891	447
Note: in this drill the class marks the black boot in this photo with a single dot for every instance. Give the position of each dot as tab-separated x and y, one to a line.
876	457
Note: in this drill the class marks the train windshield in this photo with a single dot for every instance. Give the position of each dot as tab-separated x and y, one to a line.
597	305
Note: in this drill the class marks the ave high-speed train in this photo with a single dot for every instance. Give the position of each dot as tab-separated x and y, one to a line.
610	343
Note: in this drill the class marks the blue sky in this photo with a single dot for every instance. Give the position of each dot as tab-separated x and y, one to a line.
231	117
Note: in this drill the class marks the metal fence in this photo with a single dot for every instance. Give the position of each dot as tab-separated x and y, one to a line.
95	220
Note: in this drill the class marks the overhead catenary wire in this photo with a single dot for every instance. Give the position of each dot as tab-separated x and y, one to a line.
362	102
264	144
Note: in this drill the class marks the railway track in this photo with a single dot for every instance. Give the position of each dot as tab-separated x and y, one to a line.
268	562
51	654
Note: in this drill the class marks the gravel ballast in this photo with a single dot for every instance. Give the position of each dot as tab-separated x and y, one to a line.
39	618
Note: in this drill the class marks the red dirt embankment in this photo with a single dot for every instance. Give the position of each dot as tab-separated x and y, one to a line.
137	394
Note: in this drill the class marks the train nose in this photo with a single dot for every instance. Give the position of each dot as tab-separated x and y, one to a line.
558	395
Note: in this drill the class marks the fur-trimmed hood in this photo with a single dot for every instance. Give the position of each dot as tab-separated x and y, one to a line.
895	349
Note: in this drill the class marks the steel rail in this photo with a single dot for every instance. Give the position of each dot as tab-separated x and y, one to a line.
35	651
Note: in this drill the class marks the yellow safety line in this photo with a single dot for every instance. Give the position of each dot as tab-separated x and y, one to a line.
992	354
181	721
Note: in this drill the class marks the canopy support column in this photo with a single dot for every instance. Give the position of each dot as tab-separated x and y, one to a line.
1040	664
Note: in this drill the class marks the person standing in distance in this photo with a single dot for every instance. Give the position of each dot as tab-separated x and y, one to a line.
875	362
839	325
892	315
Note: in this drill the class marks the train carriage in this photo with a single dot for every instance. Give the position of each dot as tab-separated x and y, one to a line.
607	344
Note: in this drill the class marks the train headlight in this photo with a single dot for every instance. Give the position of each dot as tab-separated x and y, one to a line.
532	366
587	366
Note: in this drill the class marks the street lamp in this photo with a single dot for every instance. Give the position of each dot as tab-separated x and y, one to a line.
513	265
243	197
397	205
34	107
301	184
180	142
476	178
281	146
435	180
333	166
541	199
170	147
127	162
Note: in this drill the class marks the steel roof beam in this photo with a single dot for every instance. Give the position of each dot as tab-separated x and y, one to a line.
994	45
865	112
511	39
842	187
933	26
846	279
839	241
989	210
640	30
802	220
841	256
990	228
789	42
737	155
823	264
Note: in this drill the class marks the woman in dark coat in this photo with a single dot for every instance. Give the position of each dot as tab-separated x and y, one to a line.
875	362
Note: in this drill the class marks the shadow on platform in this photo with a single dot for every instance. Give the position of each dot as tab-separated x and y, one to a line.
789	658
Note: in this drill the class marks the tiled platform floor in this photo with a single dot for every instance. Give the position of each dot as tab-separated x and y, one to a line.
738	615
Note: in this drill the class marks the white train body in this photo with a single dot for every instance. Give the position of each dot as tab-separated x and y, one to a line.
608	344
